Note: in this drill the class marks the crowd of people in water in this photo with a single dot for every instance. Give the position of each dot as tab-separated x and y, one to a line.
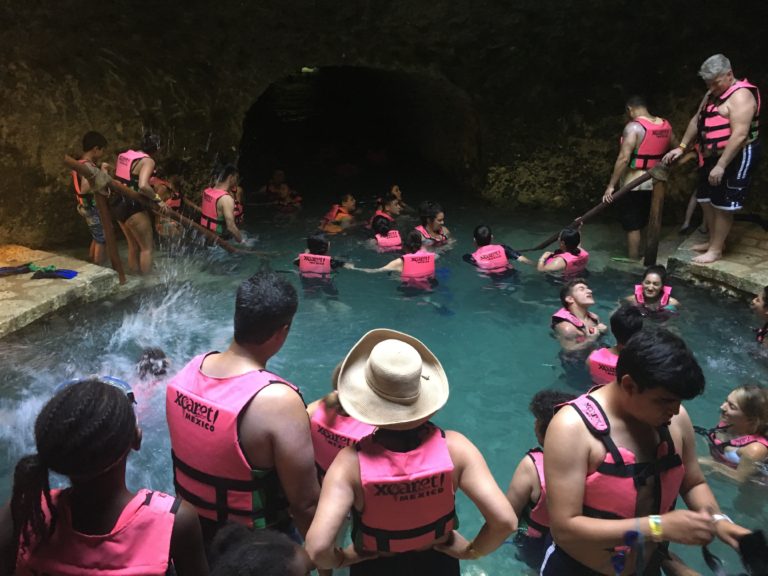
362	477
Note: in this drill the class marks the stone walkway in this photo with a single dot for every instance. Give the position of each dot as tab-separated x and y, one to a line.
744	267
23	300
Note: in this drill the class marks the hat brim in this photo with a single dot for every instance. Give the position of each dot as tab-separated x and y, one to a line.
363	404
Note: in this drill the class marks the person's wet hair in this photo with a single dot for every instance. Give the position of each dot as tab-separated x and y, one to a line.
388	199
238	551
657	358
483	235
412	242
428	211
571	238
150	142
84	430
265	303
380	225
153	362
568	287
225	172
657	269
625	322
752	400
637	101
543	404
318	244
92	140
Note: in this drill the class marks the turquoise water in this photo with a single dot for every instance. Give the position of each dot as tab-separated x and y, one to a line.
494	342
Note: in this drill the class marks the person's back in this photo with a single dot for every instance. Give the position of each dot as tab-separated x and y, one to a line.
240	435
96	526
625	322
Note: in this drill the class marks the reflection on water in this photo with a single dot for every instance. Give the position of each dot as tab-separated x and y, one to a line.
493	339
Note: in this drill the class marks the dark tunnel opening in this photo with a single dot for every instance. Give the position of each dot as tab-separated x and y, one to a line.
348	129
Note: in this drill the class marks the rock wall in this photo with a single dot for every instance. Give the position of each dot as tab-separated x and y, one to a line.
547	83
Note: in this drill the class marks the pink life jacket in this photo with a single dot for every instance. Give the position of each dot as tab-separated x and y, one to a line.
209	217
419	265
602	366
538	516
715	129
332	431
573	264
408	496
565	315
717	446
429	239
380	212
314	265
610	492
138	543
654	145
666	291
86	198
391	241
210	470
124	167
491	258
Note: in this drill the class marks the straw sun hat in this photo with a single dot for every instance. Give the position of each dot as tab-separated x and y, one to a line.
391	378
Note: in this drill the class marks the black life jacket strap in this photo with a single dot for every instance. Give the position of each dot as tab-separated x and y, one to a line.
384	537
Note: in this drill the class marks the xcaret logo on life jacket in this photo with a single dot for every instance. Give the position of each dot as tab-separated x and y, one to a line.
196	412
334	439
413	489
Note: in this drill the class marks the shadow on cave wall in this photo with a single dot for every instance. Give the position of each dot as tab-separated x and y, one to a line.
354	129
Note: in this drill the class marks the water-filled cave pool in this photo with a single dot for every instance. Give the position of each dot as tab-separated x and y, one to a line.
493	340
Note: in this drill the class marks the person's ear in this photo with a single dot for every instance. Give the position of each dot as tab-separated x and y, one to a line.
628	385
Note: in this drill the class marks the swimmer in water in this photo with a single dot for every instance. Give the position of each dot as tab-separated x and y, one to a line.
569	259
574	325
653	295
153	363
494	259
389	209
432	227
340	216
416	266
759	306
625	322
386	238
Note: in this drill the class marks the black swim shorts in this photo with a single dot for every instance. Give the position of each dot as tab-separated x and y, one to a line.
633	209
732	191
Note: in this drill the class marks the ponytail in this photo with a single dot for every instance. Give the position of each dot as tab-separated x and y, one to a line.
30	485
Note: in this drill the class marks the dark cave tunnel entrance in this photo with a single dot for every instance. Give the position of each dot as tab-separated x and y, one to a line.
344	129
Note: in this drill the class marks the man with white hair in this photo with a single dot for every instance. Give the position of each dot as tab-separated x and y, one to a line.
726	126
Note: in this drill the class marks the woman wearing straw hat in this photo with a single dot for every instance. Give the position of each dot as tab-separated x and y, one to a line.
399	483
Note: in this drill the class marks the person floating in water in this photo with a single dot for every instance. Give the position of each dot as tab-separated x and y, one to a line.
569	259
385	236
432	228
316	266
389	208
218	205
527	490
340	217
617	459
625	322
739	442
393	381
759	306
653	296
495	259
416	266
93	150
95	526
574	325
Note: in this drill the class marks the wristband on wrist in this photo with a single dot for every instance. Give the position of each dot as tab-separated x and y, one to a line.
718	517
657	532
471	552
682	146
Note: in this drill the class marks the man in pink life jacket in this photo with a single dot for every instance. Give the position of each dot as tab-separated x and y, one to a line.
93	150
527	490
725	129
625	322
492	258
574	325
569	260
645	140
240	436
416	266
617	458
399	483
218	205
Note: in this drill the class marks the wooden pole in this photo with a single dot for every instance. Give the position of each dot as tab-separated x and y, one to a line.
109	235
653	231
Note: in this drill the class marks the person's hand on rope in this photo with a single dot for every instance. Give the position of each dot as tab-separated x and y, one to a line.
608	194
672	155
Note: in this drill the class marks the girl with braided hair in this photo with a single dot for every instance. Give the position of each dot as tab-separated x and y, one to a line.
95	526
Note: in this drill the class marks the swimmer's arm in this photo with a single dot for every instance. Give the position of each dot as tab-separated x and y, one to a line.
567	331
336	500
469	259
521	487
394	266
472	476
279	414
674	302
227	204
551	265
689	136
146	169
187	550
513	254
7	545
630	138
694	490
750	456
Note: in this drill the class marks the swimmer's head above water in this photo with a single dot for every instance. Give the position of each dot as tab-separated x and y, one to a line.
483	235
